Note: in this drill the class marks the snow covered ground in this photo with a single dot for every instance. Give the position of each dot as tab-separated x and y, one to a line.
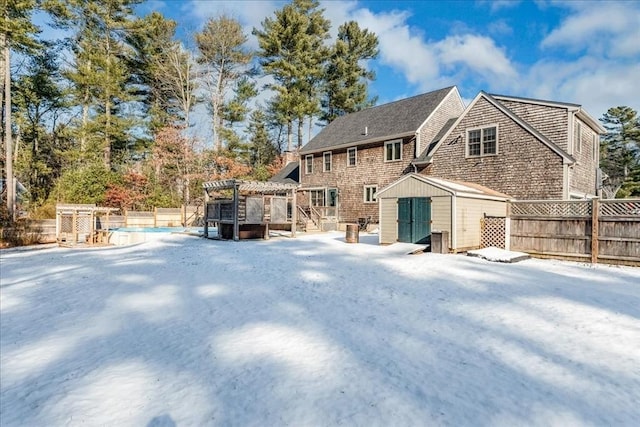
312	331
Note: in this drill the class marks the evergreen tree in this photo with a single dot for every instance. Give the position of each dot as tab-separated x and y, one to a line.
39	102
263	152
345	90
223	54
620	150
100	75
292	51
152	43
17	34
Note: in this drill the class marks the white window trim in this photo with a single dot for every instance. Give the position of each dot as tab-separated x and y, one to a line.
481	129
385	150
308	164
375	192
355	156
595	138
578	137
324	161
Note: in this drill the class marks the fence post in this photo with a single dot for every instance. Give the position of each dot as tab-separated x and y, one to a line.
594	230
155	217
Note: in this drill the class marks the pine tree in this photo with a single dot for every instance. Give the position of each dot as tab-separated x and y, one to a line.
40	103
100	75
292	51
223	54
620	150
345	90
17	34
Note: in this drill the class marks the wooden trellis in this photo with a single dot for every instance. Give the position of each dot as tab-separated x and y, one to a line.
493	232
82	224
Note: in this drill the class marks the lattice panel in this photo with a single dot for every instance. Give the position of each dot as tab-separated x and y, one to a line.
66	224
83	224
492	232
626	208
552	209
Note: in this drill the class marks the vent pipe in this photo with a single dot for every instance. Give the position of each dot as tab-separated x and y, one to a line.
366	130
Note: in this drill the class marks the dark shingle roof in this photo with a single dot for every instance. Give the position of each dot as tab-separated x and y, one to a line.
387	120
290	174
426	153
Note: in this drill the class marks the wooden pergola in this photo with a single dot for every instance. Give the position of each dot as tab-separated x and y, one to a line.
251	208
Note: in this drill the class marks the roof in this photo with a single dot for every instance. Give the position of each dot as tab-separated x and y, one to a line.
289	174
513	116
393	120
445	129
455	188
249	186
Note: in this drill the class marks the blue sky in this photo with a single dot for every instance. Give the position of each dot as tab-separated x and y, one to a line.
581	52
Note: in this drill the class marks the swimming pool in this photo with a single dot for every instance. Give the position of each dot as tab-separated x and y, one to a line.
130	235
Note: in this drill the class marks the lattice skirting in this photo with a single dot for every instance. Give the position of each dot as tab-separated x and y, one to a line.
493	232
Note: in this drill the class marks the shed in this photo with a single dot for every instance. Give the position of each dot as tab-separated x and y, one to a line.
415	206
245	209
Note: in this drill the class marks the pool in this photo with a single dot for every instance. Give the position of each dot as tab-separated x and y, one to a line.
130	235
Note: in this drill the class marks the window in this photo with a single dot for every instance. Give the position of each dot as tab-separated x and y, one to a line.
482	142
351	156
370	193
309	164
578	137
326	161
393	151
317	198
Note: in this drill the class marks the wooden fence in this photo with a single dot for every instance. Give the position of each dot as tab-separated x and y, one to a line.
582	230
44	231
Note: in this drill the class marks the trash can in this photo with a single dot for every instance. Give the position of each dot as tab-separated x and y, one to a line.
440	242
353	235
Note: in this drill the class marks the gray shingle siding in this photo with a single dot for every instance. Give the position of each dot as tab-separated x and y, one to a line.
524	168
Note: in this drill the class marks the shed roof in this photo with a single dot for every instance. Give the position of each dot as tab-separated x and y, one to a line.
392	120
455	188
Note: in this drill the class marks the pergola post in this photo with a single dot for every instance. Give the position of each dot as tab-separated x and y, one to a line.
206	213
294	212
236	208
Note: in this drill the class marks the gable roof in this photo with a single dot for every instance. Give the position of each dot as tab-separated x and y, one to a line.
427	157
455	188
383	122
290	174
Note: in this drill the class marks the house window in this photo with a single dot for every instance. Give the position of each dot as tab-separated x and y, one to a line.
326	161
370	193
482	142
578	137
351	156
317	197
309	164
393	151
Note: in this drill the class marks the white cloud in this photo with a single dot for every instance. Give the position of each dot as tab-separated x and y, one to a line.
605	28
589	81
478	53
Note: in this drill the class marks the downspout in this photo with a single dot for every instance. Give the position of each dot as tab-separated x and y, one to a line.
454	224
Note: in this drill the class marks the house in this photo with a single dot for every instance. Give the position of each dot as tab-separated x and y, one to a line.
343	167
415	206
527	148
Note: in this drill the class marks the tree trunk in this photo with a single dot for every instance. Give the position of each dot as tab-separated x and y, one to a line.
10	184
289	135
300	136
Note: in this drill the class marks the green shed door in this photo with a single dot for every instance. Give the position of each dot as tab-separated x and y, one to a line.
421	219
414	219
404	220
